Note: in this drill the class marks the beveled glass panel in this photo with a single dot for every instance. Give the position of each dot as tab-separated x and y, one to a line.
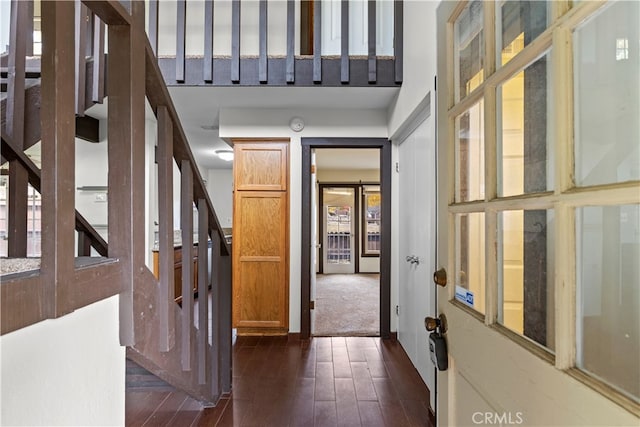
470	154
608	295
470	266
469	49
525	269
523	149
518	23
607	96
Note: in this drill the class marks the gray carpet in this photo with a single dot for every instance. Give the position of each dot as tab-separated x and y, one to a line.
347	305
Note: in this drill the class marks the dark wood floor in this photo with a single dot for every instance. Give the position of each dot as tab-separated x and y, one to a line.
337	381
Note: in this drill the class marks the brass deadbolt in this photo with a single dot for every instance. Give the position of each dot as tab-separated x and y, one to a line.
440	277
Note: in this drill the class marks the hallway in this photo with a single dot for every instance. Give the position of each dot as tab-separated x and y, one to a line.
288	382
347	305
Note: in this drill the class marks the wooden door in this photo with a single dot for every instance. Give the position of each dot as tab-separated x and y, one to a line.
261	239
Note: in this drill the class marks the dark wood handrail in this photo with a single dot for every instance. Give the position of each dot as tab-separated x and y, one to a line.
158	94
82	225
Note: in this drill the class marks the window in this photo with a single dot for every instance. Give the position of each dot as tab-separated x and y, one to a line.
545	137
371	210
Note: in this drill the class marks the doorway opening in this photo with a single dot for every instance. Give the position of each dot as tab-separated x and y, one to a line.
346	208
347	268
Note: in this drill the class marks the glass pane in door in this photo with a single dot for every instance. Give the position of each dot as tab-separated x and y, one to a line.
339	229
339	234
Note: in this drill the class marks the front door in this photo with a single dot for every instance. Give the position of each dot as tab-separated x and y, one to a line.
417	245
339	229
539	213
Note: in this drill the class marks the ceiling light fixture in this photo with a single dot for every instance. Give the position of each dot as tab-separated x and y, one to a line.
226	155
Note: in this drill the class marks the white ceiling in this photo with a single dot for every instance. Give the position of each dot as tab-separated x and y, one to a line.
200	106
199	109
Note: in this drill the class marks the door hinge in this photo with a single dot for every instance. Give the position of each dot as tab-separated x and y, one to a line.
397	166
313	168
397	310
312	305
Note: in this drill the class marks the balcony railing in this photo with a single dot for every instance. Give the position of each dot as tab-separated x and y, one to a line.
278	43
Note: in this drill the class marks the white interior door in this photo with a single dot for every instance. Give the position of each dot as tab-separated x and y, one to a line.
417	247
339	219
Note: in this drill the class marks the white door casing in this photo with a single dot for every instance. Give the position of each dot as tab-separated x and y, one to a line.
338	233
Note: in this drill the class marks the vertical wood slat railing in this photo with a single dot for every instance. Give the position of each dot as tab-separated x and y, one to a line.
161	334
262	29
186	225
317	42
235	42
344	41
18	177
227	68
291	43
372	60
207	71
181	39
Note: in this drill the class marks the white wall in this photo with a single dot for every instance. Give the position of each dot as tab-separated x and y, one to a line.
220	188
273	123
419	65
5	19
419	68
64	372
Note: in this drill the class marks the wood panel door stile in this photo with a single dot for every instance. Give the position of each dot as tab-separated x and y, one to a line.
261	237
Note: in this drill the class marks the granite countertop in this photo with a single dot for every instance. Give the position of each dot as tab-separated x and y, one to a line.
16	265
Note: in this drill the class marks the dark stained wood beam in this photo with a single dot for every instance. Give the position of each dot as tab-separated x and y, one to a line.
181	38
81	58
126	151
317	41
207	69
398	43
29	28
203	290
303	77
97	92
158	94
15	128
186	225
88	128
262	28
291	33
58	153
153	25
217	340
372	58
165	231
235	42
344	42
112	12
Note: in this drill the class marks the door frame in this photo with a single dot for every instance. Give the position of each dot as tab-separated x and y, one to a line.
384	145
356	224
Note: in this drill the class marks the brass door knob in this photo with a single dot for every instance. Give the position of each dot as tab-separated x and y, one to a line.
440	277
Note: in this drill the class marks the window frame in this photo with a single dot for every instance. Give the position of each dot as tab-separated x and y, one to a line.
365	252
564	18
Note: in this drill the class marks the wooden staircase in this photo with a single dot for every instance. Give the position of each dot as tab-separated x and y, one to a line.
38	105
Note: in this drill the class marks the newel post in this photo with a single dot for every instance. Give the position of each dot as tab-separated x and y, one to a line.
126	133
